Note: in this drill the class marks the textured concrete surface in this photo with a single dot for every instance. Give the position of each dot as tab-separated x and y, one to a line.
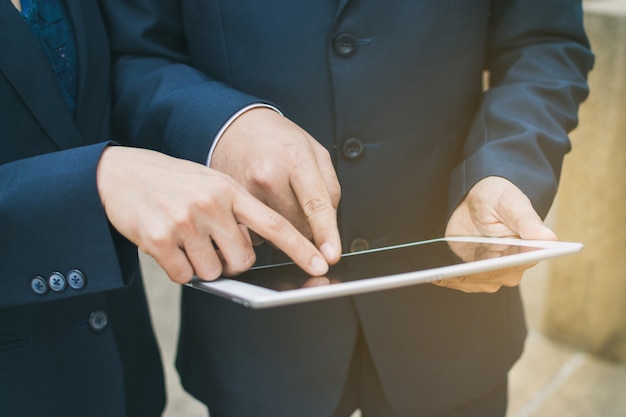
554	380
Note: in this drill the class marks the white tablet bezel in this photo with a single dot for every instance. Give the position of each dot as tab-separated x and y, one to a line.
253	296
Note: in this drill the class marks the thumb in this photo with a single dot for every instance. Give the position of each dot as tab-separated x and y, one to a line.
520	216
535	229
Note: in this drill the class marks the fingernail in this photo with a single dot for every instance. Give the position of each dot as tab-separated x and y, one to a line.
328	251
318	265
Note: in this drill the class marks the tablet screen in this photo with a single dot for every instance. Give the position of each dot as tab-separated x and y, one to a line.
371	264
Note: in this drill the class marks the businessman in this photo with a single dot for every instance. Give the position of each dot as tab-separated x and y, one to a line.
422	147
75	332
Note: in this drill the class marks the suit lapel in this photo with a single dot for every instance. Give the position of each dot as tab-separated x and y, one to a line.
25	65
340	6
93	67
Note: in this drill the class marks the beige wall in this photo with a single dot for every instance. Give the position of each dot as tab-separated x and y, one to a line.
585	302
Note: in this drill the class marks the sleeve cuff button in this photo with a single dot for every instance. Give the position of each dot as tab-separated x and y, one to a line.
39	285
76	279
57	282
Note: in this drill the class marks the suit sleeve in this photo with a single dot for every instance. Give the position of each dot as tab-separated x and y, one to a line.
161	101
53	221
538	58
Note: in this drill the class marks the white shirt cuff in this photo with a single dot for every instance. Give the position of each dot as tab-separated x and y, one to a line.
230	121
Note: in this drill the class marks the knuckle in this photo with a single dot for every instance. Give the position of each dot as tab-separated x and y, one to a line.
224	183
322	152
180	274
299	152
156	241
314	206
180	278
210	272
220	188
275	223
180	219
264	175
241	266
249	260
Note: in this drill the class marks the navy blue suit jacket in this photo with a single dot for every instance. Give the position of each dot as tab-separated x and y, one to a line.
54	360
406	79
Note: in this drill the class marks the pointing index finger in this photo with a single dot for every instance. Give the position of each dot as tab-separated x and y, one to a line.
280	232
315	201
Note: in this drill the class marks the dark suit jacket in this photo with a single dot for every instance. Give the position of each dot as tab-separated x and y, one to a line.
77	352
404	81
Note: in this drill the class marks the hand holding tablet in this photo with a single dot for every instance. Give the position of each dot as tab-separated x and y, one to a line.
495	207
489	281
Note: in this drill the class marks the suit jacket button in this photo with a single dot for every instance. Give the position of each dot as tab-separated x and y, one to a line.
345	45
352	148
98	320
57	282
359	244
39	285
76	279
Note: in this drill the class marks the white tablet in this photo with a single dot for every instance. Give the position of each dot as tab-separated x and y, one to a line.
381	269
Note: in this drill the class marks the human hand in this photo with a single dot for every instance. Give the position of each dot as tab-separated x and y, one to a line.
189	217
494	207
284	167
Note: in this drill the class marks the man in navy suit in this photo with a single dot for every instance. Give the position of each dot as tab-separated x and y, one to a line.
421	146
75	332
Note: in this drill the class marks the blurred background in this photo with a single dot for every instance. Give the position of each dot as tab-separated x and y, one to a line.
575	359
